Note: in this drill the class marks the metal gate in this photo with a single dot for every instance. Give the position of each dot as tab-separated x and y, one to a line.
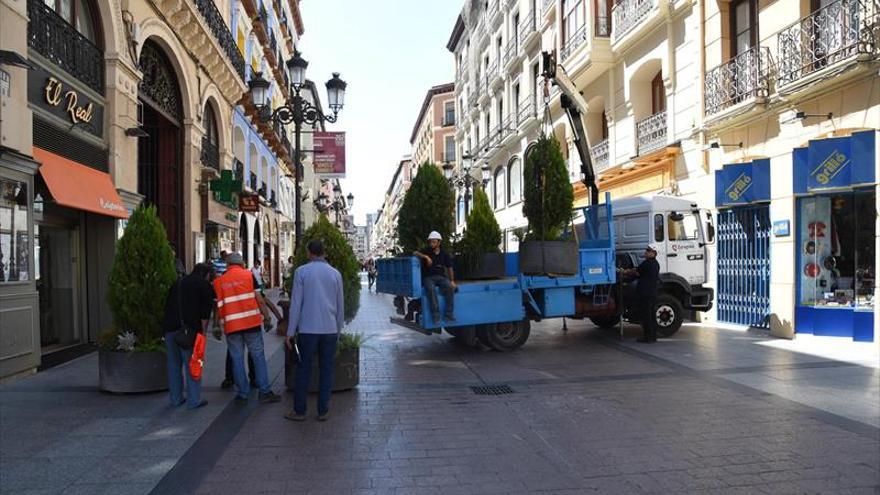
744	265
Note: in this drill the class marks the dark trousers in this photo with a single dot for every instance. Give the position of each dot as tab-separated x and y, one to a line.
647	317
309	344
431	282
250	361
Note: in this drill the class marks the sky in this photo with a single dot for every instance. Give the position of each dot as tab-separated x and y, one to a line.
390	52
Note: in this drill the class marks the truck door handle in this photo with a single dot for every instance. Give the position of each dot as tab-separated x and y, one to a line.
671	255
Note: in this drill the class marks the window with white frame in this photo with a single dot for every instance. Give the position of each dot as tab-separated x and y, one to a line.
498	188
514	180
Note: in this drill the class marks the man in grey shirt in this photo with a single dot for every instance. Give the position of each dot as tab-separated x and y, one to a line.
317	314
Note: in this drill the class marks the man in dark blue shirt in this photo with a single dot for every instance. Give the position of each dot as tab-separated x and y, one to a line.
648	273
437	272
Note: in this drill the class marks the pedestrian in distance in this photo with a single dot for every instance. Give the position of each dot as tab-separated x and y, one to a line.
648	274
241	309
257	270
189	303
371	273
437	272
317	315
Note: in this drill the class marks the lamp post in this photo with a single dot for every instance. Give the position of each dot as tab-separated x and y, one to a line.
463	178
297	111
338	204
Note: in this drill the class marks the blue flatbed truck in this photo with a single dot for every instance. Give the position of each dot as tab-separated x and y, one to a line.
499	312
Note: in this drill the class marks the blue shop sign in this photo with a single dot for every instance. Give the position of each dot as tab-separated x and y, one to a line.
743	183
835	163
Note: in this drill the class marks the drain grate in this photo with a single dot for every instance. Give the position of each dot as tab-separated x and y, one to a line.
492	389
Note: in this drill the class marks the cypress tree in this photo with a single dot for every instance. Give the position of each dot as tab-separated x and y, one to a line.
340	255
548	195
429	205
142	272
482	234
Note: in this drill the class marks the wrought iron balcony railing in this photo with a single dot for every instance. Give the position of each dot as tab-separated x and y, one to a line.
507	126
574	41
599	155
526	111
263	192
527	25
545	6
602	26
651	132
472	100
221	31
210	155
737	80
492	10
253	181
54	38
510	50
492	71
626	14
839	31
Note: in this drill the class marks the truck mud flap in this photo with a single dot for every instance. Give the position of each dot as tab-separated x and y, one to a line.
410	325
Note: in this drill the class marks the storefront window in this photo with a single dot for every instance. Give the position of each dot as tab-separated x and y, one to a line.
15	252
836	245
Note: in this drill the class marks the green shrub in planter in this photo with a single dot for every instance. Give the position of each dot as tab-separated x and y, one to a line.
142	272
548	194
340	256
429	205
482	236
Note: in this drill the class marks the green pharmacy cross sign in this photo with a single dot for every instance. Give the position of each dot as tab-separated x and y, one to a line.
226	189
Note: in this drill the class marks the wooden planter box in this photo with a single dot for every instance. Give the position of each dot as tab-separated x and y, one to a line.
346	371
132	372
491	266
548	257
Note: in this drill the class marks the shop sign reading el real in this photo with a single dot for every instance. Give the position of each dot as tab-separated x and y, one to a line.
51	93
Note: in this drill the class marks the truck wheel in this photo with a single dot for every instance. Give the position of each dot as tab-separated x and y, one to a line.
507	336
668	314
605	321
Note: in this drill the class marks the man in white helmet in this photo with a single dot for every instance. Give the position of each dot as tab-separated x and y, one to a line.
437	272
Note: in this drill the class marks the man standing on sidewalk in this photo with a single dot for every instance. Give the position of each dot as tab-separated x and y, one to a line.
648	273
317	314
241	310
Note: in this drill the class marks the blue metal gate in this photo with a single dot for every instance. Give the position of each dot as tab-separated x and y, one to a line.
744	265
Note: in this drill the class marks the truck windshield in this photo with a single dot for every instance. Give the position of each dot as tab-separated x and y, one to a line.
684	227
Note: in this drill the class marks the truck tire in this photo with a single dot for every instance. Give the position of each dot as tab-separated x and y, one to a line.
507	336
668	314
605	321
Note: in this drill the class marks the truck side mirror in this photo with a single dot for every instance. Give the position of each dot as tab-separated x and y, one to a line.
710	233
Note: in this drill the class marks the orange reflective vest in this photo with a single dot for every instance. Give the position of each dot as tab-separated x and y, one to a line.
237	306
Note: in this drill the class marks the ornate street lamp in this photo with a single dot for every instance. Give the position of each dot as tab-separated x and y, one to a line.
297	111
464	179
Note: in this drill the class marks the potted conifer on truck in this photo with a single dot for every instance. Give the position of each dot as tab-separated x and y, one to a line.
479	256
547	204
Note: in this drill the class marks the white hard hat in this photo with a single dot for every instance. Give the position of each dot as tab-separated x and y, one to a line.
435	235
651	247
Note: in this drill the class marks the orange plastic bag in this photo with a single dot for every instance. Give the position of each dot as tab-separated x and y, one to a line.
197	360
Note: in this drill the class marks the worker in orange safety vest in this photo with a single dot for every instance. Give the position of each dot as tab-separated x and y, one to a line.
240	310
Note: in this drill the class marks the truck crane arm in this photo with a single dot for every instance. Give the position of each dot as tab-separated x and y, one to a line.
575	106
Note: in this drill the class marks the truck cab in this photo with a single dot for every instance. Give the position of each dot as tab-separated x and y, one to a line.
681	232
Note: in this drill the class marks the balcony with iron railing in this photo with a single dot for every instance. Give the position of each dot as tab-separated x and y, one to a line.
651	133
840	31
599	155
742	78
263	191
528	29
526	110
573	42
217	25
238	169
54	38
210	154
627	14
602	26
252	183
492	73
511	51
493	12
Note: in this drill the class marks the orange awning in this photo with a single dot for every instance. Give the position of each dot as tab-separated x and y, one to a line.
78	186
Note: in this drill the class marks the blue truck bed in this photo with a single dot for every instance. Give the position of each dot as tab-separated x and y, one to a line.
515	297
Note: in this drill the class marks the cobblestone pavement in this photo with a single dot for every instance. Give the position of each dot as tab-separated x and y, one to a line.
708	411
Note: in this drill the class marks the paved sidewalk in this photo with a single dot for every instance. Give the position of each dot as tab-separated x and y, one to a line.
708	411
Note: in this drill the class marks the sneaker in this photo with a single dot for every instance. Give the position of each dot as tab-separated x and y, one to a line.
293	416
240	401
324	417
268	397
227	383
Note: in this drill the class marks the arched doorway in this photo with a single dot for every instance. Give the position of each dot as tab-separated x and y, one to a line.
257	241
244	239
160	174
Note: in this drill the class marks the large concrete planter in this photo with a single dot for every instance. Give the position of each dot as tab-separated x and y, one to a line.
132	372
346	371
548	257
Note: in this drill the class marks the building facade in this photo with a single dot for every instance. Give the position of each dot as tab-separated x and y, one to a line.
385	241
432	138
134	103
681	96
